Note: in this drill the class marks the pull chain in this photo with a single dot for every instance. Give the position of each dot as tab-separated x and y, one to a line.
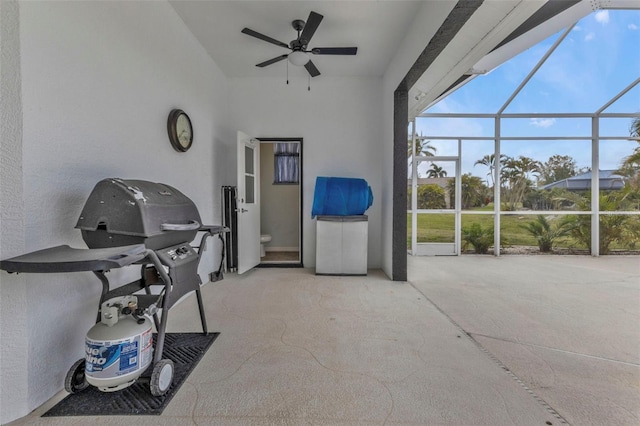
287	72
308	82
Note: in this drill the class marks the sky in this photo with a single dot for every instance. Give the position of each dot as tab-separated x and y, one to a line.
598	59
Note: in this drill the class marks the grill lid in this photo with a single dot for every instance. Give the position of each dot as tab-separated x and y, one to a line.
138	208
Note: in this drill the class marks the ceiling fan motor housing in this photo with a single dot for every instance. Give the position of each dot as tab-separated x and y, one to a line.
298	45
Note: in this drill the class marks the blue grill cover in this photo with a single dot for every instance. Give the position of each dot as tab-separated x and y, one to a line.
338	196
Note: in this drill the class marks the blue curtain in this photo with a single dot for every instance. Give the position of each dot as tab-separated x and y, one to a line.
286	168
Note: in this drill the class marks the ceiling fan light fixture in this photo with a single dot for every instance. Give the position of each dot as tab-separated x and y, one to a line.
298	58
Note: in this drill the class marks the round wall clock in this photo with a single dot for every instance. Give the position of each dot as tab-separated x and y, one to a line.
180	130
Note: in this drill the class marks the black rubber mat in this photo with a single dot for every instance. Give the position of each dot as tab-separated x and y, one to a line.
184	349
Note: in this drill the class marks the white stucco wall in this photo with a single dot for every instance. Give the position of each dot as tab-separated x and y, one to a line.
13	292
93	83
98	80
340	122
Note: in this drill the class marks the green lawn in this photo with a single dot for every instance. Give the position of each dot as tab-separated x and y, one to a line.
439	228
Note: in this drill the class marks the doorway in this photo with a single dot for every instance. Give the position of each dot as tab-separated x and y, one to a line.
281	202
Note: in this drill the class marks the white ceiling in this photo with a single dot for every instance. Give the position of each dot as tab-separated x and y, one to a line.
375	27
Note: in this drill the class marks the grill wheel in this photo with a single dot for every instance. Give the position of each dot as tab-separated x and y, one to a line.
75	380
162	377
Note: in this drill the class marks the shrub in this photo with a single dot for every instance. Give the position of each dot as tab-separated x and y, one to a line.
478	237
545	233
620	229
431	196
474	192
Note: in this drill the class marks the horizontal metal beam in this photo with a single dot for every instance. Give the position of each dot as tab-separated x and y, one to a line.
545	212
546	138
525	138
530	212
455	138
532	115
518	138
435	158
619	115
454	115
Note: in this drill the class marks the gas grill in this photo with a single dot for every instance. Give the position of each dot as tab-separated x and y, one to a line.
131	222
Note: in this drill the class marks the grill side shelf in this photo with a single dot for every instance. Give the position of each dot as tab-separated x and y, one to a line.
67	259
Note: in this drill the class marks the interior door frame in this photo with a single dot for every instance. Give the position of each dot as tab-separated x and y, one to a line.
299	264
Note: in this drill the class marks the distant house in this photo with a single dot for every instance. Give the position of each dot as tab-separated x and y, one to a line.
608	181
440	181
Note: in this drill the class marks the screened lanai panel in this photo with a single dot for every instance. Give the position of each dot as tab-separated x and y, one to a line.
565	132
477	168
542	233
630	101
458	126
598	59
547	175
619	233
477	235
620	181
546	127
618	127
436	228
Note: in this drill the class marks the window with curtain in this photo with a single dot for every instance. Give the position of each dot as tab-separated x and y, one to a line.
286	167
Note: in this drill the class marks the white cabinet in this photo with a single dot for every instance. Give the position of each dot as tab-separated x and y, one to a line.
341	245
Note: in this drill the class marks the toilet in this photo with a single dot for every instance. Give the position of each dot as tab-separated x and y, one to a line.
264	239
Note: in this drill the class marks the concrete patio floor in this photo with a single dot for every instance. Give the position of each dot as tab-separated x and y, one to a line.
470	340
568	327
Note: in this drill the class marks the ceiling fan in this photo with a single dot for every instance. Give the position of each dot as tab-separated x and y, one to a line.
299	54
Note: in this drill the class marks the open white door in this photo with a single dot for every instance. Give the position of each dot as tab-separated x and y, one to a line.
248	202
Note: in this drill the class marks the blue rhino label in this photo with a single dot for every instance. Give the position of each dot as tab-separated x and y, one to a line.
105	359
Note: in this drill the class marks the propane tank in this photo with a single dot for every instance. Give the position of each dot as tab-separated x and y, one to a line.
119	348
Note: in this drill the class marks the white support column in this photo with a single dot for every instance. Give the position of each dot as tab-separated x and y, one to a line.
496	189
595	186
414	190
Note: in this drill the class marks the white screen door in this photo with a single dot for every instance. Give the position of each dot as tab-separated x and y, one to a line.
435	207
248	202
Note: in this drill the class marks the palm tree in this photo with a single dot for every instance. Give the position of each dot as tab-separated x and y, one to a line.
423	147
436	171
630	167
634	130
633	161
515	177
489	161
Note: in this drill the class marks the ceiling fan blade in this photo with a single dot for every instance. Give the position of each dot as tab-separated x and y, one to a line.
311	69
264	37
334	50
310	27
271	61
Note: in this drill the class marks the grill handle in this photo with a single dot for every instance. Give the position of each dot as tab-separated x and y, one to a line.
191	226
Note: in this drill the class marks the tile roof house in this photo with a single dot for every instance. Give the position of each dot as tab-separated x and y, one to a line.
609	180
